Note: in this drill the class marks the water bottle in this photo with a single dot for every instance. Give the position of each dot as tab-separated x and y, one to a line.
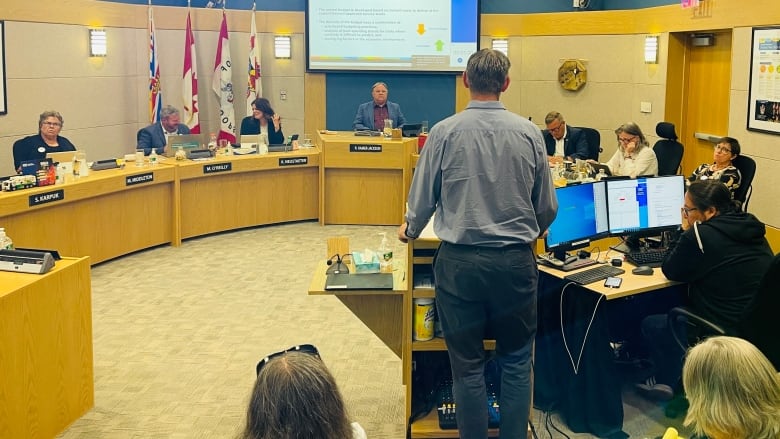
385	255
5	241
153	157
600	175
213	143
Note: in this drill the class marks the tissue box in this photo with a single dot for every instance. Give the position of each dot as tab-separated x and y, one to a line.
364	264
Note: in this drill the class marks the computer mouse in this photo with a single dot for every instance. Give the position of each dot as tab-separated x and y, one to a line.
643	270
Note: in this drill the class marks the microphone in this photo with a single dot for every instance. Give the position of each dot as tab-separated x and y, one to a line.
340	267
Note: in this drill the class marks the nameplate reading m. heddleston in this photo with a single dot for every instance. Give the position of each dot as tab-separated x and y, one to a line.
139	178
219	167
293	161
362	147
47	197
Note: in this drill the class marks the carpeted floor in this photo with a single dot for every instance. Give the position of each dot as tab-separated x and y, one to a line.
178	331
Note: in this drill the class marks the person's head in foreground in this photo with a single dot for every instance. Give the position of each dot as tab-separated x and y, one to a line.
733	390
295	396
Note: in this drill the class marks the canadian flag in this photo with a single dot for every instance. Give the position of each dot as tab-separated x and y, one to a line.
189	84
222	84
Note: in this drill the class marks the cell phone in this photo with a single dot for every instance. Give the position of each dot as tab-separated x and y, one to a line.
613	282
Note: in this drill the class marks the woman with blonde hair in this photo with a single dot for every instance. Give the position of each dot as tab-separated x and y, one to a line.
634	156
733	390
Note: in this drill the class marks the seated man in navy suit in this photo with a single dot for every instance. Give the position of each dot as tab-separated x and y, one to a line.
563	141
371	115
156	135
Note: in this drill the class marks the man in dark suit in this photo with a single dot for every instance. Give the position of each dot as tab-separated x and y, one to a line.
371	115
563	141
156	135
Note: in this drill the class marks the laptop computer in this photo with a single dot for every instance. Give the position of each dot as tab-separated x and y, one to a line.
186	141
597	166
372	281
61	157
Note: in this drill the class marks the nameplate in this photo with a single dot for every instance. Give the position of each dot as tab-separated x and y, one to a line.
219	167
361	147
293	161
47	197
139	178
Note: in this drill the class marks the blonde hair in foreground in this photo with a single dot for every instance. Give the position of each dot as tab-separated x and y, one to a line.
733	389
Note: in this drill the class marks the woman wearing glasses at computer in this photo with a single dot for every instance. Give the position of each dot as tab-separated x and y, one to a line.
634	156
721	168
295	396
47	140
722	254
263	120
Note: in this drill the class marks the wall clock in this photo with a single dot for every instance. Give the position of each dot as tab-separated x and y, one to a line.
572	75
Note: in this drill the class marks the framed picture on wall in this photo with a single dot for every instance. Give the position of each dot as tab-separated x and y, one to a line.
764	93
3	93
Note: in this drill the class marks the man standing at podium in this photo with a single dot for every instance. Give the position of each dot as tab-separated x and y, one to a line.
484	173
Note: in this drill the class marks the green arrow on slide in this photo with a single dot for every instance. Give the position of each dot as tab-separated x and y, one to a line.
439	45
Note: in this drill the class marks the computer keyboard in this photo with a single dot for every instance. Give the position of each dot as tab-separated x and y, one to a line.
649	257
594	274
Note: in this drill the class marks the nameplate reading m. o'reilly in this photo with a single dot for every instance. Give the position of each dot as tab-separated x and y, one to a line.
219	167
47	197
139	178
360	147
294	161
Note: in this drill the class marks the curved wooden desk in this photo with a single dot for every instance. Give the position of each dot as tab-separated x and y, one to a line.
232	192
105	215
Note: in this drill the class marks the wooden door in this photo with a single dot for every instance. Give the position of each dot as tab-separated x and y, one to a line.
698	88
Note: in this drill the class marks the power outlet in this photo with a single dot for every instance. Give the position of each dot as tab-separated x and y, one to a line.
575	3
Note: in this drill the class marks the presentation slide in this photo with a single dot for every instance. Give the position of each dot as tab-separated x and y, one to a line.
404	35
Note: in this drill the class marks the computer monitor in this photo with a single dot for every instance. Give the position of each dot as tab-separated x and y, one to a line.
645	206
582	217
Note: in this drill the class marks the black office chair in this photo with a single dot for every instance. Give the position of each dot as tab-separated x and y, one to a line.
759	324
747	168
668	150
593	138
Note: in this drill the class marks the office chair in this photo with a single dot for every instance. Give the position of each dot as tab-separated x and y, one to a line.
758	324
593	138
668	150
747	168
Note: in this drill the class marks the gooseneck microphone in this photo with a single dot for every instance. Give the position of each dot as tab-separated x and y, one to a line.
339	267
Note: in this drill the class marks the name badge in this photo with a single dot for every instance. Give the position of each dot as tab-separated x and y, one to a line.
220	167
361	147
139	178
293	161
47	197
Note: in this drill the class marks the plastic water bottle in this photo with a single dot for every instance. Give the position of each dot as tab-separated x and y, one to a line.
213	142
385	255
5	241
153	157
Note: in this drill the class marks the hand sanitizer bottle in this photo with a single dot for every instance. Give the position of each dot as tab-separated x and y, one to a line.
5	241
153	157
385	255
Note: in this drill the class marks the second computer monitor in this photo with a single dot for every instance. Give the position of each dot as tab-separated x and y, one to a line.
645	206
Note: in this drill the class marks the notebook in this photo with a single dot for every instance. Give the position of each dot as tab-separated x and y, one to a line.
372	281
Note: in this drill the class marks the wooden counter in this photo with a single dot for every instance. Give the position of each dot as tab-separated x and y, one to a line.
364	179
46	368
232	192
108	214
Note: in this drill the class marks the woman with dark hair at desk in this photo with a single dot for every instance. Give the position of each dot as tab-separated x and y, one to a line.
263	120
722	254
47	140
295	396
722	168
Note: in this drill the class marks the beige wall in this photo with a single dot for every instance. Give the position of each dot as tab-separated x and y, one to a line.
104	100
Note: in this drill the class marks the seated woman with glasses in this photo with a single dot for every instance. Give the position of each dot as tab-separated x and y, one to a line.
295	396
722	254
47	140
733	390
634	156
722	168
